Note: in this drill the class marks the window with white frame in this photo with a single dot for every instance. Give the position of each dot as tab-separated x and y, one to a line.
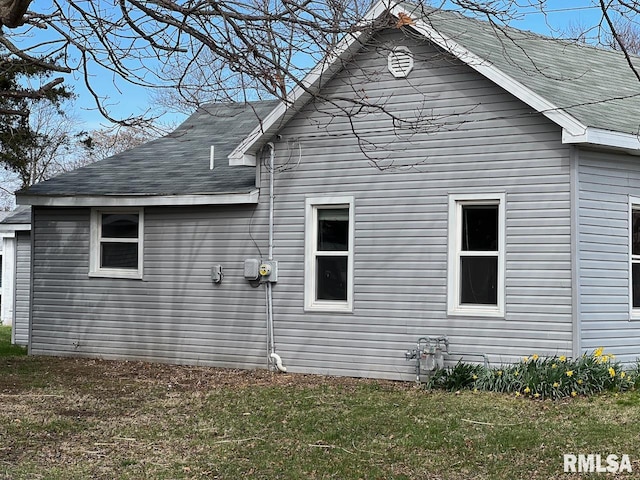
476	255
634	257
329	254
116	243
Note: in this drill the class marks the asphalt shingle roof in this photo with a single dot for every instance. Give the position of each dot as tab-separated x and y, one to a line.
594	85
176	164
21	215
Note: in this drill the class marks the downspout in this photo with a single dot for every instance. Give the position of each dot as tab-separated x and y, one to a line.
273	356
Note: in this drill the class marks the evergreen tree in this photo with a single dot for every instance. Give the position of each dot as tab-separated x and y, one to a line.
18	139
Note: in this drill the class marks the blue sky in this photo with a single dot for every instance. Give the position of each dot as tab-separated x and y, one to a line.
126	100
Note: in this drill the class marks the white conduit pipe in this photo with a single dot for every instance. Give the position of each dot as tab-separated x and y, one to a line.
273	356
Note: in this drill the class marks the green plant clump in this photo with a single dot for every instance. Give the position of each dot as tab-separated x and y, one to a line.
537	377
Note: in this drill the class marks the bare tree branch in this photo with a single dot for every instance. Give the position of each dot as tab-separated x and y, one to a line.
607	17
12	12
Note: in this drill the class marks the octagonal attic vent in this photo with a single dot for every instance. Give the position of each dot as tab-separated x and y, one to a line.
400	62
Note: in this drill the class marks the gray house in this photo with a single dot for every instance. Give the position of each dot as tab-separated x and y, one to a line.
438	178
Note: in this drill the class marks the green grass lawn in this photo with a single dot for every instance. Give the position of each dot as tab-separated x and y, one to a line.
80	419
6	349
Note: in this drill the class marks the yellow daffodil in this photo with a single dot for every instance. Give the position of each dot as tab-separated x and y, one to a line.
623	374
563	358
579	381
475	377
536	395
517	394
574	393
556	384
554	365
569	373
534	357
527	390
604	359
525	359
612	372
598	352
516	373
499	373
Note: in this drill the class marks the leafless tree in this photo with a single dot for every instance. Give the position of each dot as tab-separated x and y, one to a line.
60	147
253	42
226	49
106	142
243	48
627	35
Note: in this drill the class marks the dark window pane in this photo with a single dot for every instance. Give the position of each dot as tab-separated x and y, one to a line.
119	255
635	284
480	228
119	225
333	229
635	233
479	280
332	278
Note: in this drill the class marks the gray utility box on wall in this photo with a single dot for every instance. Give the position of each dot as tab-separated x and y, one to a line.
265	271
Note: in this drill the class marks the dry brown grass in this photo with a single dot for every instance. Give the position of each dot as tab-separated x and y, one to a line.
72	418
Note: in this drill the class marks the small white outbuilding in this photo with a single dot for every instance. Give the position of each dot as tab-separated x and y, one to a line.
15	236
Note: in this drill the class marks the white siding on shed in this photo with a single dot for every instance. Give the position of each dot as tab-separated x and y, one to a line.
20	330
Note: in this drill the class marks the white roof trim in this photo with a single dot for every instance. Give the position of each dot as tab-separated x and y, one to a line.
597	136
242	155
573	131
140	201
7	229
488	70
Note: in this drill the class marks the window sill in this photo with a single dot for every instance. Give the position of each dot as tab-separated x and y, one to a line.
476	311
115	273
329	307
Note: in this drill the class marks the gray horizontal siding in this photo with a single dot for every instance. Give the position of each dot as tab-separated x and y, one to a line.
606	181
20	332
478	139
483	140
174	314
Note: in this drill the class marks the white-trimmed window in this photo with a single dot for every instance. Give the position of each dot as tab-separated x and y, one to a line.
634	257
476	255
116	243
329	254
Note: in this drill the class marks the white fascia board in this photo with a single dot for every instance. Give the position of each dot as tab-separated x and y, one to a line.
141	201
8	229
497	76
243	154
598	137
573	131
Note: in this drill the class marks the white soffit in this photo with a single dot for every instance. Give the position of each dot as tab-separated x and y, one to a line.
140	201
